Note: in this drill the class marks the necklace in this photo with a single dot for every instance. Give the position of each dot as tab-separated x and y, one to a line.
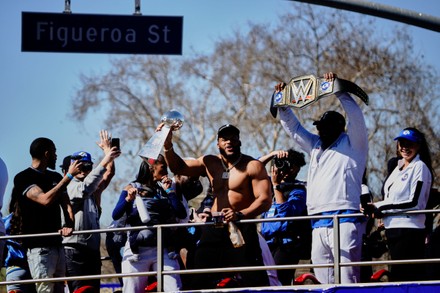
225	174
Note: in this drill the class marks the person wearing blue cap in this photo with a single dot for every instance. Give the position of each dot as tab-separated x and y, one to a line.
407	188
83	250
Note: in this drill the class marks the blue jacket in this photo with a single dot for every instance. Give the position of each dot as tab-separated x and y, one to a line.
294	206
163	208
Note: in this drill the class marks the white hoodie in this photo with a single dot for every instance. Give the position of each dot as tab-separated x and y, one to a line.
335	174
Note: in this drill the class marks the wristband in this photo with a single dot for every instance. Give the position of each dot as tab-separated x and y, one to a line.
170	190
70	176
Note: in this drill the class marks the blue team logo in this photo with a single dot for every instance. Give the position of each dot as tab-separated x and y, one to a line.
325	85
278	97
405	177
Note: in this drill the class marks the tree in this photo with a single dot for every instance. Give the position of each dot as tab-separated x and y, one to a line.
234	82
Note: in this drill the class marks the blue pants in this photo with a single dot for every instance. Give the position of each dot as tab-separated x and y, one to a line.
16	273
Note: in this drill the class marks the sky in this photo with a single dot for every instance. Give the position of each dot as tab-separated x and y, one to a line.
36	88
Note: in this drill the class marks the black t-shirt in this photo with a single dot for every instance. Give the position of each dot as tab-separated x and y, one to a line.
35	217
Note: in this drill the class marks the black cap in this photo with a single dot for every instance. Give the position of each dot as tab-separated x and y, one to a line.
227	128
331	118
66	163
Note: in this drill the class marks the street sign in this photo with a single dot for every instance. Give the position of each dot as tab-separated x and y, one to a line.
91	33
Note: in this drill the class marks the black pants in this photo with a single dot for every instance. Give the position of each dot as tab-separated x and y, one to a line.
285	254
215	250
406	243
81	262
433	251
114	252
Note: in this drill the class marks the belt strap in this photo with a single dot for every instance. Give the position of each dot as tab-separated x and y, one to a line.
304	90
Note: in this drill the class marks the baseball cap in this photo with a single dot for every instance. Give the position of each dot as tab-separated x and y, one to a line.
82	157
227	128
409	134
331	118
66	163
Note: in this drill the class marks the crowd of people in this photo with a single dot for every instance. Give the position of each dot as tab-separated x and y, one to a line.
240	188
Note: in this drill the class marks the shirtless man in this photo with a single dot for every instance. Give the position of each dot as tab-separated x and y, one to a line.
241	189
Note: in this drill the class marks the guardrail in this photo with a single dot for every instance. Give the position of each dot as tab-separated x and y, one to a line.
160	273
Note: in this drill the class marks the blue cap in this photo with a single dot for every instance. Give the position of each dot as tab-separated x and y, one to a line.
82	157
409	134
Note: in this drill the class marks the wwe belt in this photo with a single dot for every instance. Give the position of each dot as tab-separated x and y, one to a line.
304	90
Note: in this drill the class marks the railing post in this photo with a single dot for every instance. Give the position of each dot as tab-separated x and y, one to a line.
159	259
336	250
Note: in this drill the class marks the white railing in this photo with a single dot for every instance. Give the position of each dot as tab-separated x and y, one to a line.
160	273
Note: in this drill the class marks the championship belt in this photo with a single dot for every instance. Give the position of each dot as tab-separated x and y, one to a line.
304	90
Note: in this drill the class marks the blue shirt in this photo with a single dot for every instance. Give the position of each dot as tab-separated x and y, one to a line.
328	222
294	206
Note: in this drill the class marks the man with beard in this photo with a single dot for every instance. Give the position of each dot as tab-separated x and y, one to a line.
39	201
241	190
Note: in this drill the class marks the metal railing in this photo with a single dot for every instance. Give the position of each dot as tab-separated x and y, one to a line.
160	272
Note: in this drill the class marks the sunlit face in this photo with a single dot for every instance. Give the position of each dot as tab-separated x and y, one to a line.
51	158
159	170
85	169
408	149
229	144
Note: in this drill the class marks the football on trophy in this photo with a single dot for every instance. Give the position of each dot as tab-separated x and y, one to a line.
173	118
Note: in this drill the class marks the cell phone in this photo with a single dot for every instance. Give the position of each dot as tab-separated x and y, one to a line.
116	143
365	199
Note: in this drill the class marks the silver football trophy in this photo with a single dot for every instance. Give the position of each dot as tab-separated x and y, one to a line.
154	145
302	91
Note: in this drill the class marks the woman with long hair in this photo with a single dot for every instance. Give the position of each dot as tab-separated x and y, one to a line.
158	197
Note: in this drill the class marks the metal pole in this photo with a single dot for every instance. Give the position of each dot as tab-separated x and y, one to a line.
384	11
67	7
137	7
159	260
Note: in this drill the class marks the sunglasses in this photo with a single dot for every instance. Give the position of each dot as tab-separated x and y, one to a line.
85	167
